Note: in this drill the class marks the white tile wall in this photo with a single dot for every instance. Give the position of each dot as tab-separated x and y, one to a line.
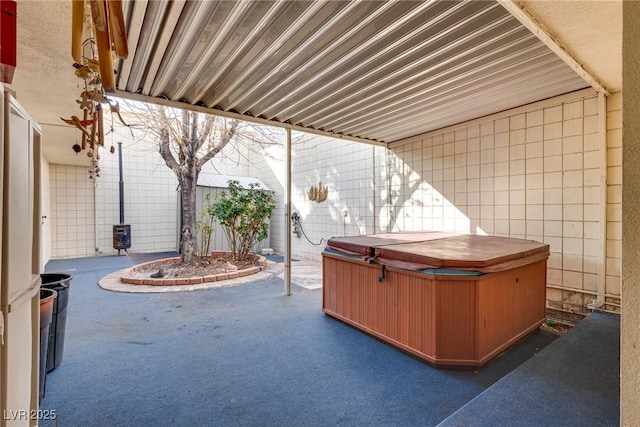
150	197
347	169
71	212
539	178
150	200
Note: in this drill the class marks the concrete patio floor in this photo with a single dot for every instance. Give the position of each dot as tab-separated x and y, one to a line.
242	355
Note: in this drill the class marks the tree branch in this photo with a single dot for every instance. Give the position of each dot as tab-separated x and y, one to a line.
193	143
208	126
194	128
165	150
219	146
183	138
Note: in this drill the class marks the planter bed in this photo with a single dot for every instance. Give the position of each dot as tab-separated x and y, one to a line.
139	275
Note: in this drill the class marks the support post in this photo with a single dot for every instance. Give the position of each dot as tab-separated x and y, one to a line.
287	216
604	200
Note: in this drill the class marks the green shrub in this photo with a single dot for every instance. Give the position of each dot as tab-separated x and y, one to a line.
204	227
243	216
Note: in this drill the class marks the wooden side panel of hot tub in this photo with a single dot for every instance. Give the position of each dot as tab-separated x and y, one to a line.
510	305
449	321
455	321
398	309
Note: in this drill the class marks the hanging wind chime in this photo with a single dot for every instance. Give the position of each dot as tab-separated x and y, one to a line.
98	33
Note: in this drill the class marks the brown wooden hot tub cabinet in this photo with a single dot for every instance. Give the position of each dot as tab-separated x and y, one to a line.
446	320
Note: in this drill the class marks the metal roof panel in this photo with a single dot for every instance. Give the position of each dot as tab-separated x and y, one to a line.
381	71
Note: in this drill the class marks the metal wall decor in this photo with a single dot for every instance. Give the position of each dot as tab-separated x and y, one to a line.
318	193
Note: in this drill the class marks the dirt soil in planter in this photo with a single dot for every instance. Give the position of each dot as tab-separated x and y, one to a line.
204	266
555	327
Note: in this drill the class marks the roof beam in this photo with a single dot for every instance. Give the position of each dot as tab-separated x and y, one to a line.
551	41
233	115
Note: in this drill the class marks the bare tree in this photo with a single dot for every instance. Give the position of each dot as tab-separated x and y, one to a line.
188	140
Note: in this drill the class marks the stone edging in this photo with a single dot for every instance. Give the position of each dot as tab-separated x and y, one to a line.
130	275
112	282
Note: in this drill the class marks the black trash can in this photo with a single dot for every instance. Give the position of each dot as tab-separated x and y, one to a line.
47	300
60	283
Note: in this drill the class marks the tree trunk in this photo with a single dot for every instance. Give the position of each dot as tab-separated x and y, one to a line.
188	141
188	241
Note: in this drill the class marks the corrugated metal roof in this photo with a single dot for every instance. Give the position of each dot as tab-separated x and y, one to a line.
214	180
377	70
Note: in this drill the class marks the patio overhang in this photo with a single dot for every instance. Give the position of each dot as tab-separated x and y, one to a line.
374	72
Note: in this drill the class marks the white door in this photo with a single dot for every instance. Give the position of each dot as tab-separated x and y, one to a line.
19	266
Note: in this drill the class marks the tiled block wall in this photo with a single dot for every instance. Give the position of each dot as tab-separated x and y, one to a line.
150	197
346	168
71	212
532	174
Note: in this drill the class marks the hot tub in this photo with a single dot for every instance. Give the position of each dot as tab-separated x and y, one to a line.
448	299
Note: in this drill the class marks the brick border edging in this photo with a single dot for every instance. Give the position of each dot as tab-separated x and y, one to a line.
260	262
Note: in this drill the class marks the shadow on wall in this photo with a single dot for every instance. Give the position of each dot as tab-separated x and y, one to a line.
417	200
370	189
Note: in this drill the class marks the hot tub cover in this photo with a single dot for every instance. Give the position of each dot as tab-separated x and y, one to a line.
423	250
364	245
466	252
